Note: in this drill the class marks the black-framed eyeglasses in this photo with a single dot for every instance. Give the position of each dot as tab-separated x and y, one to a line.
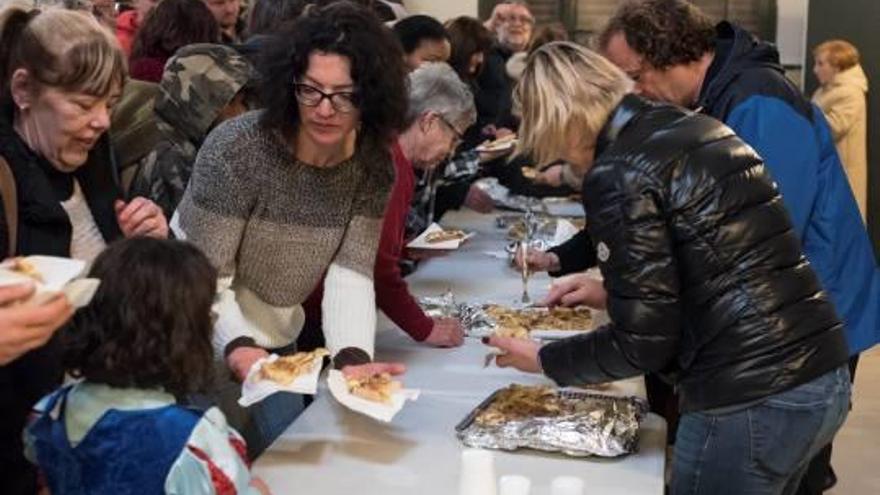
310	96
459	137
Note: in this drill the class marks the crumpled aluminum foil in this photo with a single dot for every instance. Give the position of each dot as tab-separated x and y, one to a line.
473	317
475	320
503	199
603	426
440	306
545	227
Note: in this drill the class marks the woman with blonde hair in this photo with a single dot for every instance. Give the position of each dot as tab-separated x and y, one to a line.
841	96
704	280
62	71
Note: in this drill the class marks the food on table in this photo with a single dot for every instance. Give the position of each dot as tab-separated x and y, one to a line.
545	228
444	235
512	331
23	266
521	402
377	388
517	231
499	144
557	318
286	369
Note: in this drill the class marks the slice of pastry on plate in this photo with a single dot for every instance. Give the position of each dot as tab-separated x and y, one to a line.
444	235
377	388
286	369
25	267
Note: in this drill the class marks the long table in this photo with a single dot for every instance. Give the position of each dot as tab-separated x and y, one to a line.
331	450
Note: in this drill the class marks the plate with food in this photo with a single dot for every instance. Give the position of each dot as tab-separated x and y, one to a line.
378	396
296	373
540	323
436	237
50	275
501	144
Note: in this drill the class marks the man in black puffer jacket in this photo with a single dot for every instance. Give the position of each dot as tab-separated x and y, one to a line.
704	275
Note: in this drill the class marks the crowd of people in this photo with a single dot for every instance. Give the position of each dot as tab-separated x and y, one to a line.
243	180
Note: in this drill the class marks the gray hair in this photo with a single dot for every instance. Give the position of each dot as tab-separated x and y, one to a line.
435	87
83	5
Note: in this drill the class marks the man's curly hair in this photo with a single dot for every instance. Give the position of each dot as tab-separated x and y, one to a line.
664	32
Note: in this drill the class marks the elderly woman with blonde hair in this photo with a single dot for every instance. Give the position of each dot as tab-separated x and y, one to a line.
704	280
841	96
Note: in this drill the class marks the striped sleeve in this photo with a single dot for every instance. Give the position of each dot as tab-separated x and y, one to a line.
214	461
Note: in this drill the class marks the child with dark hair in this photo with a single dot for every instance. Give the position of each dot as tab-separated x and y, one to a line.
142	343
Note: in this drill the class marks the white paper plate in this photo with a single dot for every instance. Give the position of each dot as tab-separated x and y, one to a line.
254	389
421	242
382	412
494	146
55	272
58	275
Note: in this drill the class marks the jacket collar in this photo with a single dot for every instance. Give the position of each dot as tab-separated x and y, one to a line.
630	106
735	51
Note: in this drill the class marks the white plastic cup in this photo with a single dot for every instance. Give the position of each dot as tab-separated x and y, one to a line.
477	473
514	484
567	485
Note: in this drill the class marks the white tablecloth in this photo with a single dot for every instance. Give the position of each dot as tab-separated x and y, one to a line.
329	450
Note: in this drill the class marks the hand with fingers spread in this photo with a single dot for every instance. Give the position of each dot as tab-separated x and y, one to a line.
24	327
141	217
578	289
539	261
521	354
447	332
370	369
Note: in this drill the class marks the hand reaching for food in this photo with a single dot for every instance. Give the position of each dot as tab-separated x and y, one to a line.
579	289
539	261
521	354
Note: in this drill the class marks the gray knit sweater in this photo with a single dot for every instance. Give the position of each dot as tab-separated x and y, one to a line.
273	226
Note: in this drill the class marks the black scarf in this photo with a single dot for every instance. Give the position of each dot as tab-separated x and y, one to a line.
43	225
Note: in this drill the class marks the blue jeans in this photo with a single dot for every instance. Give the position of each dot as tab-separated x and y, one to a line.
271	417
761	449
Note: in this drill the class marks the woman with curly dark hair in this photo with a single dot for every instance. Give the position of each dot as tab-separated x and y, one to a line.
170	26
281	196
141	344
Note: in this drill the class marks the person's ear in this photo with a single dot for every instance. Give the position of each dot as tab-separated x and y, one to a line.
426	120
21	86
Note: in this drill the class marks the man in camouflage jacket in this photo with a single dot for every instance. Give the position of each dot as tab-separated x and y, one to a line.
203	85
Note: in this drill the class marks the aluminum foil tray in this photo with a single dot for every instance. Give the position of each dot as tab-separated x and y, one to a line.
596	425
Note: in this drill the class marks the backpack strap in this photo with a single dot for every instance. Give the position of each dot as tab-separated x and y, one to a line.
10	205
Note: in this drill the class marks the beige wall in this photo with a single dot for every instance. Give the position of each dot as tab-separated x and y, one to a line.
442	9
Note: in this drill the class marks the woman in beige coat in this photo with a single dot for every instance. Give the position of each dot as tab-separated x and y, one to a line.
841	97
